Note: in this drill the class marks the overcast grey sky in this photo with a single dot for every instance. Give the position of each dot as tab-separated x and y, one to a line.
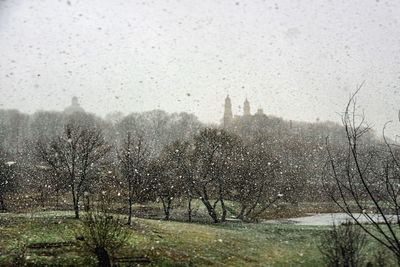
295	59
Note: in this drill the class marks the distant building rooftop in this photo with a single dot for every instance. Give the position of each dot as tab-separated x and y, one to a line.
74	107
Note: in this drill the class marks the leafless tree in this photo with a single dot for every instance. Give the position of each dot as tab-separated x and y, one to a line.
134	158
75	156
213	149
7	178
163	184
181	161
366	179
172	175
256	181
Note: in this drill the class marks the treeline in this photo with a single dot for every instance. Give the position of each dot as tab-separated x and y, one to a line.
154	156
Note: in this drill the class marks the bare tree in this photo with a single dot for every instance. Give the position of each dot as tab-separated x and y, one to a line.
7	179
213	149
365	179
257	183
134	157
75	156
180	156
172	176
163	184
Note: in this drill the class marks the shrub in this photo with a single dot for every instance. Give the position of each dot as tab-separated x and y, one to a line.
18	253
381	258
102	234
343	246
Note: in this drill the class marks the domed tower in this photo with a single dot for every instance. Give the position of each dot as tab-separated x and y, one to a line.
74	107
74	102
228	115
246	108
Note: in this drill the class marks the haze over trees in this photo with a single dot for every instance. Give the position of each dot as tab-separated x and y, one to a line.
257	161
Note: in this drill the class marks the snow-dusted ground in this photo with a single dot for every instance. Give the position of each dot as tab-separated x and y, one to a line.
328	219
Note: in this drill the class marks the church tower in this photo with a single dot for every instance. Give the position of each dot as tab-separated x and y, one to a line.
74	107
228	116
246	108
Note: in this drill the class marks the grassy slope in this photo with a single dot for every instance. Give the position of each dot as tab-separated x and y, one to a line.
167	243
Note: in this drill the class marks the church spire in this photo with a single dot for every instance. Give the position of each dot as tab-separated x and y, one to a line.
246	108
74	102
228	116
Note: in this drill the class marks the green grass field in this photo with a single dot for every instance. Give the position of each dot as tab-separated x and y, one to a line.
49	238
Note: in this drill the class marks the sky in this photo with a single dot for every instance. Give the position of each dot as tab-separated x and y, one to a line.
296	59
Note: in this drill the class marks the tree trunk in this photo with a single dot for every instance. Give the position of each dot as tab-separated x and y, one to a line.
250	210
76	205
241	214
76	209
130	211
3	205
103	257
168	212
75	200
87	202
57	198
213	215
166	207
190	208
223	217
211	210
42	197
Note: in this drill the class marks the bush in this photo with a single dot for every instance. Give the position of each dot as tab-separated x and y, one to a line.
18	253
343	246
102	234
382	257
